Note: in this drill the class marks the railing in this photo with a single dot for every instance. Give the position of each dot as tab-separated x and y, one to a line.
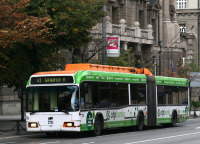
130	32
144	34
122	30
116	29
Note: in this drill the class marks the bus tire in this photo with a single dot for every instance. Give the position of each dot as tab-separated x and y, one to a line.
140	122
174	119
97	126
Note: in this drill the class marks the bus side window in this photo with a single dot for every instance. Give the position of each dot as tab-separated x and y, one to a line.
138	93
123	94
95	95
161	95
133	94
86	95
183	96
104	95
141	93
114	94
171	95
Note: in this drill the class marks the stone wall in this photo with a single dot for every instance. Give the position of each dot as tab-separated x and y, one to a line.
9	102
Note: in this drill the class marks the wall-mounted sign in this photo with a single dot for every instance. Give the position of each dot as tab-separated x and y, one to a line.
113	46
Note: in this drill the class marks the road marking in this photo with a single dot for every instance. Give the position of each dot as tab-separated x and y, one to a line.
89	143
50	142
197	128
18	136
156	139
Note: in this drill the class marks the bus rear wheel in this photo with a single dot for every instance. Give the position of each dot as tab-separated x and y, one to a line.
140	122
97	126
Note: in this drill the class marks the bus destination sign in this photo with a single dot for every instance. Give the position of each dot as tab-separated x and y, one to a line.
52	80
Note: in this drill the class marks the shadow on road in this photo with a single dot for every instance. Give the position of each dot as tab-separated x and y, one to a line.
77	135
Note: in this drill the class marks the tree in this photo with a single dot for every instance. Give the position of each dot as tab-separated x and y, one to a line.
126	59
195	104
17	26
38	30
185	71
18	29
71	20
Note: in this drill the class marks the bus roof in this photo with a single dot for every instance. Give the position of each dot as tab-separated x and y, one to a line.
73	68
107	68
93	72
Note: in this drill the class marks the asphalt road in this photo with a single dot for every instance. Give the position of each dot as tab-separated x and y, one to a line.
185	133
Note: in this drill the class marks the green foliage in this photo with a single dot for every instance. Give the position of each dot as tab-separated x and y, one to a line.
71	20
125	59
195	104
185	71
21	63
17	69
68	21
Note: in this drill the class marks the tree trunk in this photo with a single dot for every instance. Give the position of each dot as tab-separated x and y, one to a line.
195	115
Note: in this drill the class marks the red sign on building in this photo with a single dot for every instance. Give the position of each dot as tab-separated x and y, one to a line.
113	46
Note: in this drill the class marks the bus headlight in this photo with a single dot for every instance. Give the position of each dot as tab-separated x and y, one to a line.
33	125
68	124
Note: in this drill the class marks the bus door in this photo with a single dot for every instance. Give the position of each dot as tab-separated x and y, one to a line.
151	101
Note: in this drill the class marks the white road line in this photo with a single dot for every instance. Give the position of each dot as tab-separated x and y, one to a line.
197	128
89	143
17	136
156	139
50	142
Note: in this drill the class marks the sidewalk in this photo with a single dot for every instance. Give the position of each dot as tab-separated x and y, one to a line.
10	117
7	124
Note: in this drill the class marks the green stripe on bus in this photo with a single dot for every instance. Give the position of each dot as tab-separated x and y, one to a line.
163	120
108	77
171	81
125	77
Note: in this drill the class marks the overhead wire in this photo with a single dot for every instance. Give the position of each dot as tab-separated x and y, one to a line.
165	47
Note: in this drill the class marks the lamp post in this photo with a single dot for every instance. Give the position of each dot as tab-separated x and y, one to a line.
155	64
104	38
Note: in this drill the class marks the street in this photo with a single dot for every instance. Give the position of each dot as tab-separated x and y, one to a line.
184	133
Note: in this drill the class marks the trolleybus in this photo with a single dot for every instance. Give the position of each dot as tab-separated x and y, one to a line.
89	97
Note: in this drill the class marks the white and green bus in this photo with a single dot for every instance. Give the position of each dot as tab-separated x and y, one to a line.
87	97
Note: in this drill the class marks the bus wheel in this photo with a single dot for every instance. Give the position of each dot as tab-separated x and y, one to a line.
174	119
97	126
140	122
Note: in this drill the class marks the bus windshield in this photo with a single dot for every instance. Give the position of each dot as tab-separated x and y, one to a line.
52	98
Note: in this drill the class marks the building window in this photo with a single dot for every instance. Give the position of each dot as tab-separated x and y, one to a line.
182	27
180	4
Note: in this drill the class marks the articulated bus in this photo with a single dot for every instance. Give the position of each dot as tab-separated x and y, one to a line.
89	97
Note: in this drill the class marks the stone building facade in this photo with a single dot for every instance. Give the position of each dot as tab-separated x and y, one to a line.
188	19
149	27
9	101
158	15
